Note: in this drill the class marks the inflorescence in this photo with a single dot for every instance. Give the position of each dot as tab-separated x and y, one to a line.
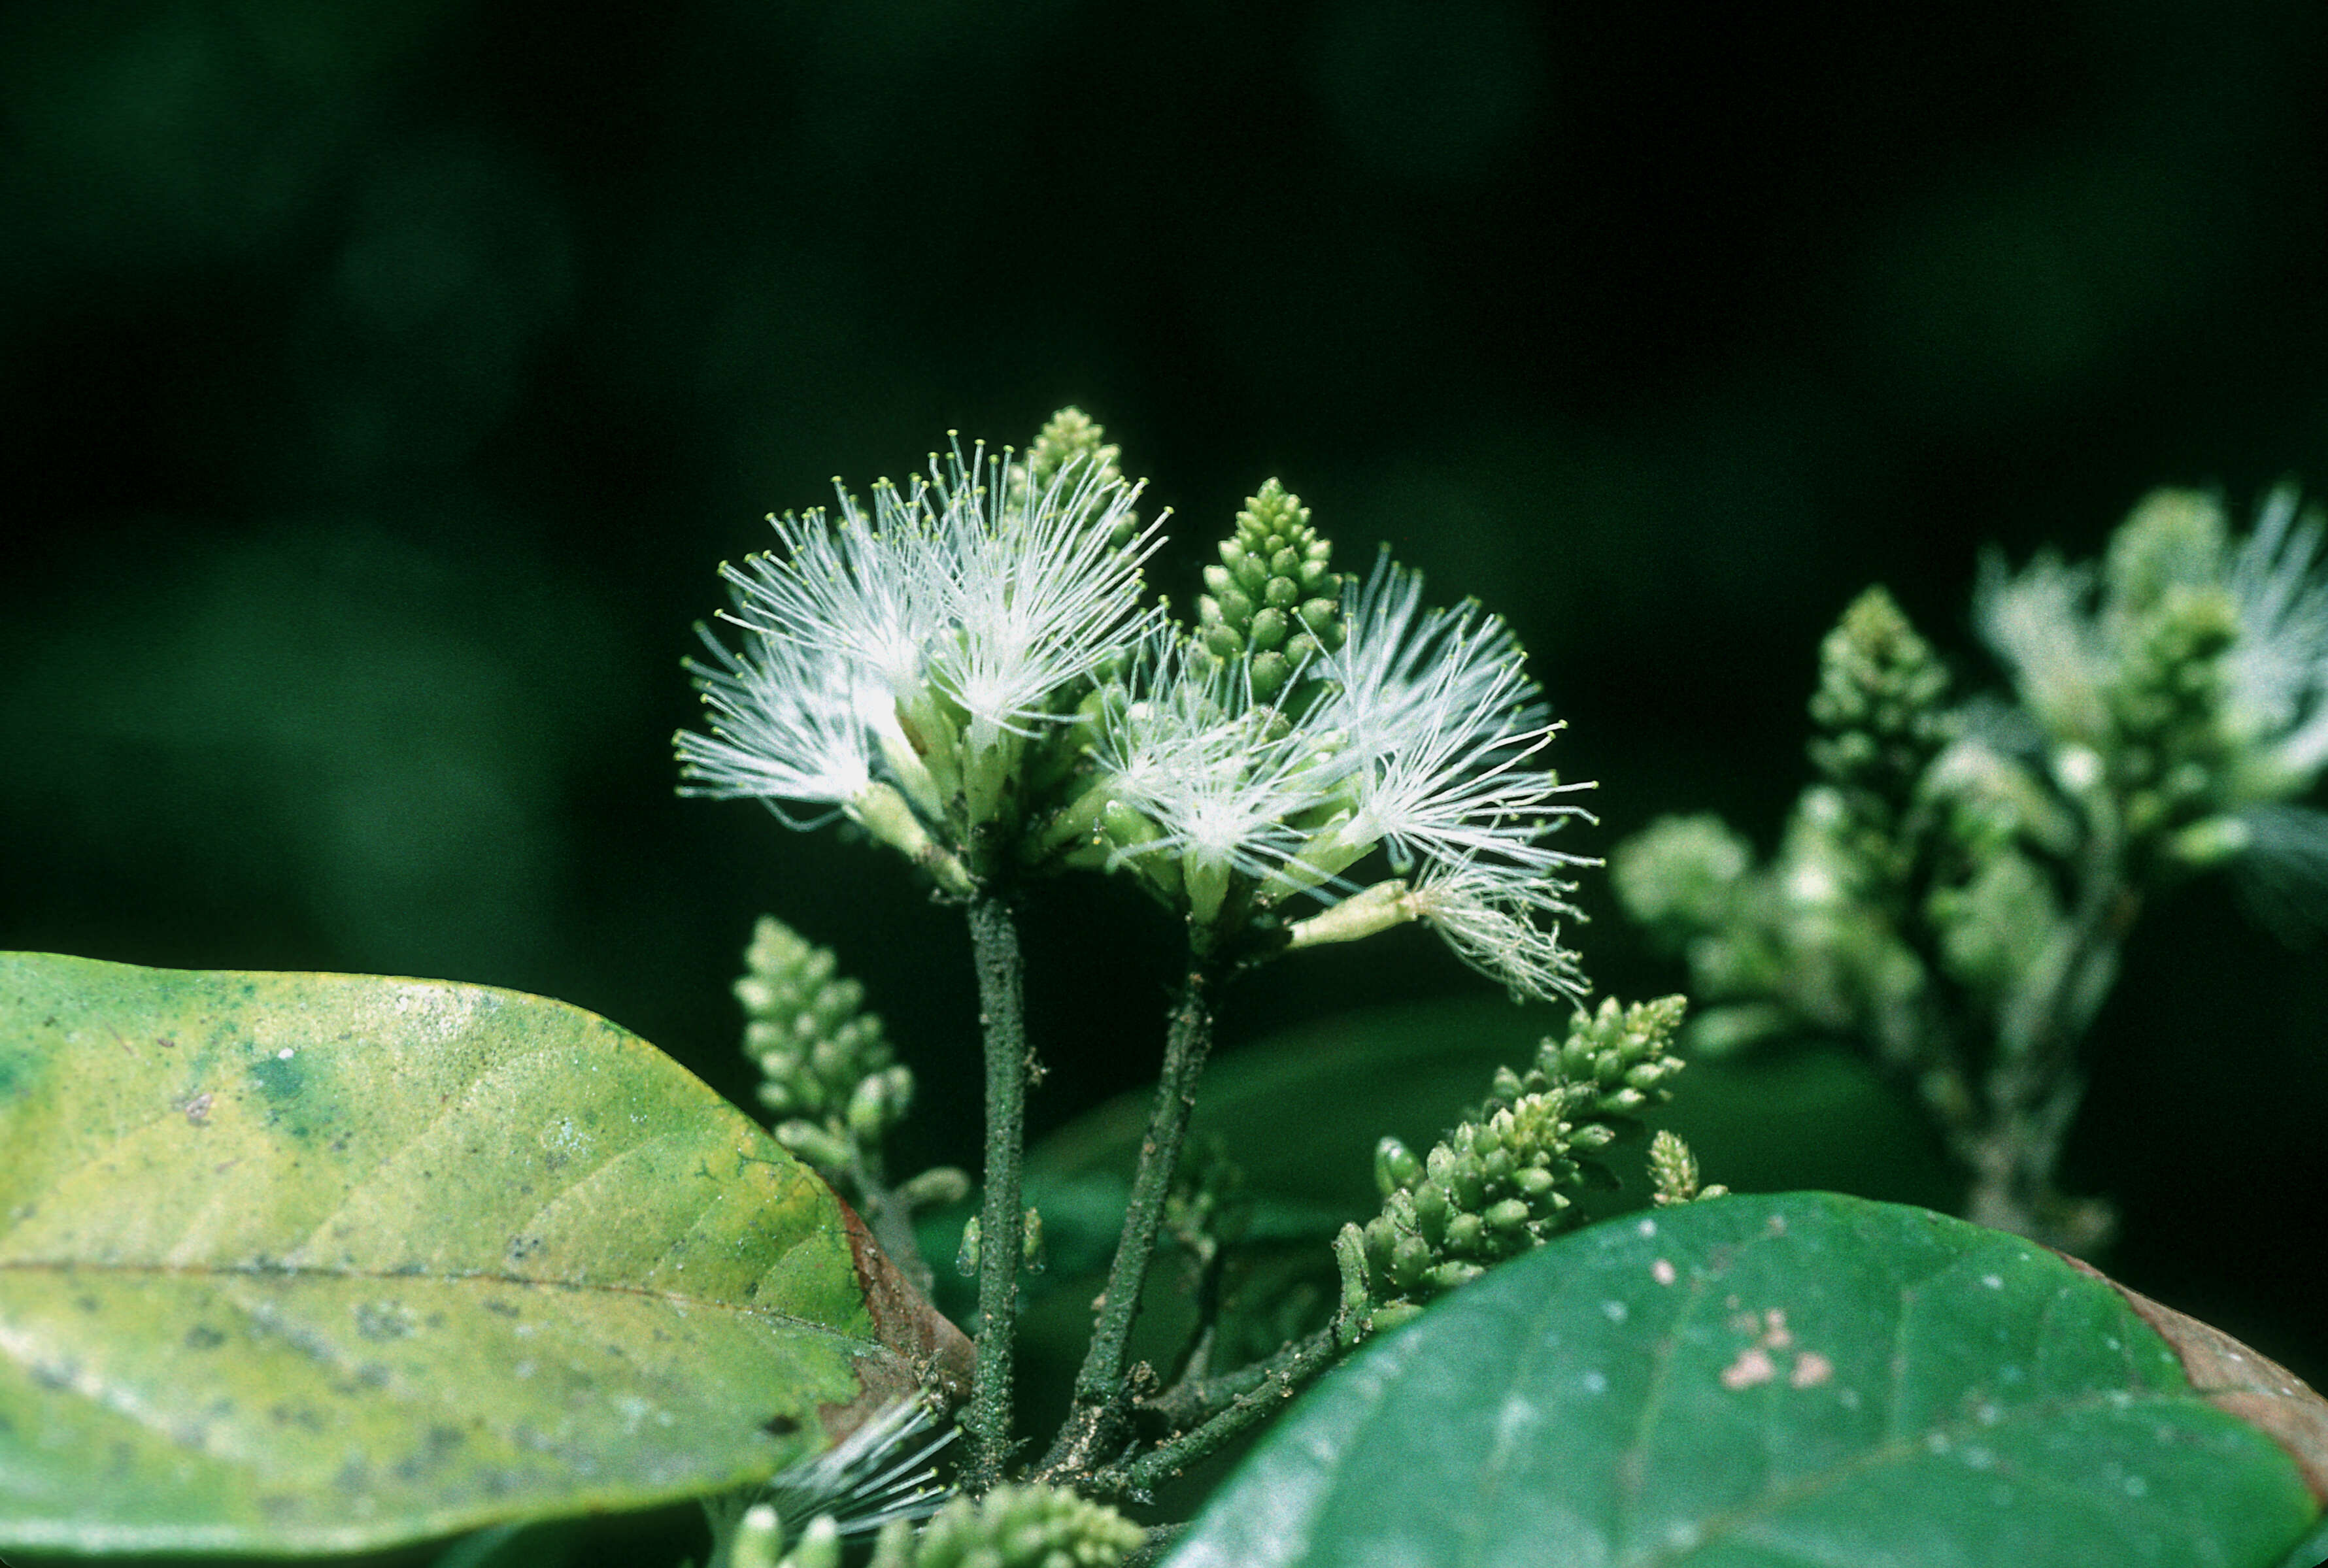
970	669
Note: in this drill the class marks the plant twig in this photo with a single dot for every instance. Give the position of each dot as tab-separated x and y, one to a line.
2034	1087
994	939
1280	1378
1098	1423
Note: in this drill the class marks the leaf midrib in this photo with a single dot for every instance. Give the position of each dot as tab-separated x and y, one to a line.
411	1276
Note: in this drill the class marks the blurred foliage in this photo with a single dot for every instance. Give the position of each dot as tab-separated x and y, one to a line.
381	380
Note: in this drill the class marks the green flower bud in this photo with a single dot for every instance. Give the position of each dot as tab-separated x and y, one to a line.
939	1186
813	1144
1410	1258
1394	1314
1395	1166
1510	1216
1466	1233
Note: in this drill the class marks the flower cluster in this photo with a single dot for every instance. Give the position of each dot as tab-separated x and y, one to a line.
969	670
2192	668
899	664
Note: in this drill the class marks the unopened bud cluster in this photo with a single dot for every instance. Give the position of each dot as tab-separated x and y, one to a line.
1013	1526
1879	712
1672	1172
827	1075
1274	599
1508	1179
1072	440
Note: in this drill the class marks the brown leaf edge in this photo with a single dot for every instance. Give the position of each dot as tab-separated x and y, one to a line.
939	1354
2240	1382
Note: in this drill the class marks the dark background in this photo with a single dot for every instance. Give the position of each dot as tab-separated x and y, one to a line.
382	382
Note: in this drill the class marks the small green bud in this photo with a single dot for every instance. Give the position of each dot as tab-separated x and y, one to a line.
1395	1166
1466	1233
965	1256
1431	1210
1030	1241
813	1144
893	1546
869	1113
1394	1314
939	1186
2211	842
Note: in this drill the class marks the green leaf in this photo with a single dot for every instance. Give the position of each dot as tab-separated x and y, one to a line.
1772	1382
297	1262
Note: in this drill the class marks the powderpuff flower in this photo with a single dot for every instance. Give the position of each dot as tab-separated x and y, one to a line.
1504	925
792	724
1507	929
885	1469
2279	665
2064	653
1219	778
1441	725
2038	624
904	654
1033	591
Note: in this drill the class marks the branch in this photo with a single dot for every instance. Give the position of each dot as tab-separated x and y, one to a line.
1098	1423
994	939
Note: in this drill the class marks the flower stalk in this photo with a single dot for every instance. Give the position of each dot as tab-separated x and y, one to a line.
1098	1423
994	940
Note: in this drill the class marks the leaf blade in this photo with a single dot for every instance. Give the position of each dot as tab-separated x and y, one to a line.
321	1263
1587	1405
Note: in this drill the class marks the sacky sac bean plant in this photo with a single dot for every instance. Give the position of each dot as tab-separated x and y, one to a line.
298	1265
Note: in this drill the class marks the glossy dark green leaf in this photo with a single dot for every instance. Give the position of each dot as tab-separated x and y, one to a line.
1776	1382
296	1262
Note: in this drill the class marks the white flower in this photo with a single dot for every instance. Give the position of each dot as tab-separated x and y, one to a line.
883	1470
1443	725
2038	624
920	644
849	590
2279	666
880	1472
1504	929
1218	776
1034	593
789	725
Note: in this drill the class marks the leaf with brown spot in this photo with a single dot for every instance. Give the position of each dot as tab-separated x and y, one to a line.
2240	1382
429	1257
1772	1382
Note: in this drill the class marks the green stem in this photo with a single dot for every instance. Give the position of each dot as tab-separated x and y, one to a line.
1098	1423
1282	1377
994	940
2033	1092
